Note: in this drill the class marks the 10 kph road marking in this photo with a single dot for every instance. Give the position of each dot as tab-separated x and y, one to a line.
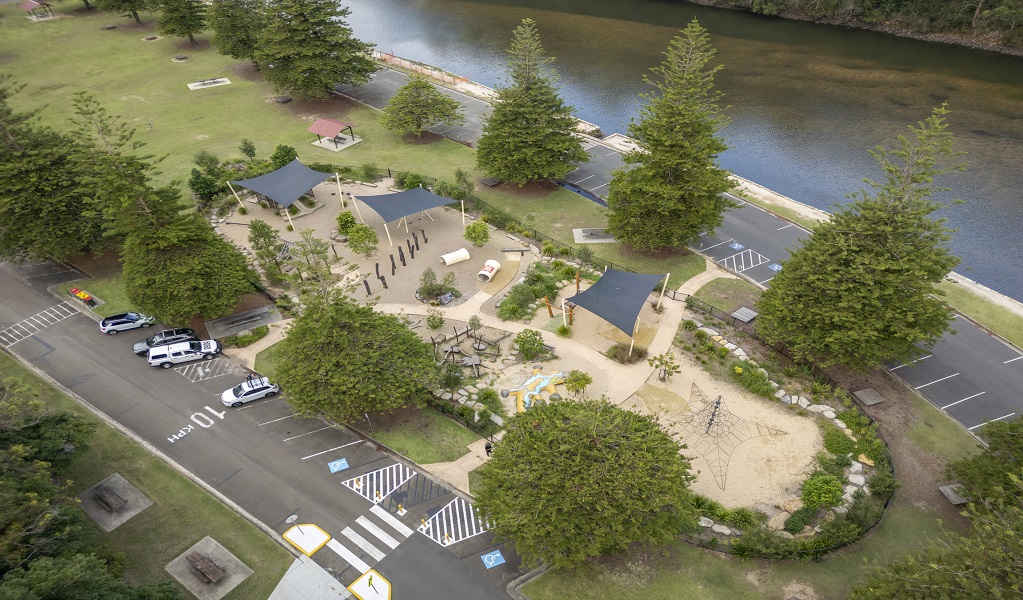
201	419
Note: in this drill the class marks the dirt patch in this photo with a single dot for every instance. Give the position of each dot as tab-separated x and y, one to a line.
428	137
333	107
247	71
199	45
533	189
798	591
98	265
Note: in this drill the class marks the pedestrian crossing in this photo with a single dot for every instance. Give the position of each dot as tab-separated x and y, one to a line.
376	485
366	542
37	322
455	522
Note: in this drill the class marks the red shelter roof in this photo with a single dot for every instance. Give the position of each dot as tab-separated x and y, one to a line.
31	5
328	128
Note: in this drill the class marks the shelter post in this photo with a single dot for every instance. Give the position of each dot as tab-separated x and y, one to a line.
290	222
548	303
340	192
663	287
235	195
406	223
388	235
428	214
631	345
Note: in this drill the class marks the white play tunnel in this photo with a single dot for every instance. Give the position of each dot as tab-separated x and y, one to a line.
489	268
453	258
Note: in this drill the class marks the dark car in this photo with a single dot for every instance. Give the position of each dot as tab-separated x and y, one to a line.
123	322
162	338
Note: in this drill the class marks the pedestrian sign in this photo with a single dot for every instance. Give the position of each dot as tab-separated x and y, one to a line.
338	465
492	559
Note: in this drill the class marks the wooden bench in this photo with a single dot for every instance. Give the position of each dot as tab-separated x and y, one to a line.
955	494
519	250
204	567
109	499
209	81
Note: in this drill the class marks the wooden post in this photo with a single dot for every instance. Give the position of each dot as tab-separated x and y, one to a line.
463	212
359	212
548	303
290	222
340	192
388	235
631	345
235	195
664	287
577	281
563	317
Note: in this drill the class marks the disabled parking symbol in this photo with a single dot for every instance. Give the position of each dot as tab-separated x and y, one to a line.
736	246
338	465
774	267
492	559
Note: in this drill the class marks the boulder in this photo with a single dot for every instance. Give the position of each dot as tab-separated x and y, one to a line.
471	389
730	346
787	399
773	384
841	424
722	529
856	467
709	331
777	522
792	505
717	338
851	489
446	396
865	460
817	408
779	394
739	353
802	401
829	414
857	479
786	535
807	532
704	522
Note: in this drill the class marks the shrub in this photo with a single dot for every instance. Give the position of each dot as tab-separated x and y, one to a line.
700	335
620	353
490	398
407	180
497	217
477	233
819	390
864	511
690	325
242	210
282	156
882	483
752	378
530	343
246	338
837	442
799	519
516	303
475	323
584	254
822	491
576	381
854	420
565	251
452	375
833	465
345	222
362	239
762	542
563	330
369	172
434	319
704	505
429	287
743	518
548	249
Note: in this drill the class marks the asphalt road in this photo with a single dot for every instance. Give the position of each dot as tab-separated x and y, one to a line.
978	377
263	458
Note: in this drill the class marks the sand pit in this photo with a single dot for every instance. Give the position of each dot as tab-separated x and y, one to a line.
766	450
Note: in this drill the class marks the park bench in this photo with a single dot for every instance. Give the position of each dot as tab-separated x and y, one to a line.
209	81
205	567
109	499
519	250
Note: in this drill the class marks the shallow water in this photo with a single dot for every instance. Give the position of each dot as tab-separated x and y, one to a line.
806	101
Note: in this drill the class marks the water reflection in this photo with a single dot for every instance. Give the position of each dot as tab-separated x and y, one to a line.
806	101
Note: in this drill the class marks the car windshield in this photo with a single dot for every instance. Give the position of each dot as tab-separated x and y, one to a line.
238	390
151	340
131	317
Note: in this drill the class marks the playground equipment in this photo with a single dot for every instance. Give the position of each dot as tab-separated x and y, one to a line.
453	258
489	269
535	386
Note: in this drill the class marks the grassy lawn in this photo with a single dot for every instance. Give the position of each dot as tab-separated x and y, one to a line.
474	479
110	291
729	294
266	361
423	435
181	514
1004	322
937	433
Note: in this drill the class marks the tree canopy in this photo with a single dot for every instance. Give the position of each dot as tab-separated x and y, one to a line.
78	577
671	188
131	7
306	48
530	133
418	105
341	359
985	474
575	479
861	291
182	18
236	26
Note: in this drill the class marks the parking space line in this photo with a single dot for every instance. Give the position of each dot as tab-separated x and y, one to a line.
935	381
349	556
786	227
992	421
257	404
363	543
306	433
275	420
765	281
911	362
584	179
382	535
333	449
1012	360
600	186
963	400
718	244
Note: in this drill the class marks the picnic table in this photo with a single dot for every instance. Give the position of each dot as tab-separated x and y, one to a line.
109	499
205	567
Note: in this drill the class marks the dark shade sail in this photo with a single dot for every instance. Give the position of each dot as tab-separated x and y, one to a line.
392	207
285	185
617	297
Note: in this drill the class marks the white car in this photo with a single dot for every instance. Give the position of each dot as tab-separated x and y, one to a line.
114	324
247	391
168	356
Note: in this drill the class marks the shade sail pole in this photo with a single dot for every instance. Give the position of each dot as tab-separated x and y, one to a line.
631	346
564	315
388	234
235	195
356	205
290	222
405	218
340	192
664	287
428	214
463	212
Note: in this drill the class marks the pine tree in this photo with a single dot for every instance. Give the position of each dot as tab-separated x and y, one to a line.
861	291
418	105
671	192
530	133
236	26
132	7
182	18
306	48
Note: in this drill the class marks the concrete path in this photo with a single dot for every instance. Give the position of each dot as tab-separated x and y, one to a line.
247	356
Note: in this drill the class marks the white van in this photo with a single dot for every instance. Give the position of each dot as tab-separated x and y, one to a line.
167	356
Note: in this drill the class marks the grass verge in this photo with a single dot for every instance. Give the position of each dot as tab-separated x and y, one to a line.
937	433
266	361
181	514
729	294
1000	320
425	436
110	290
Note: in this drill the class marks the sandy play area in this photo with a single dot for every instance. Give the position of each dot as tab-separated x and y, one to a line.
757	450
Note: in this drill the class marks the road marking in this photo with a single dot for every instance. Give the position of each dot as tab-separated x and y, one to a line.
1012	360
718	244
381	535
333	449
257	403
275	420
911	362
583	179
455	522
765	281
786	227
348	555
391	520
963	400
39	321
935	381
598	187
363	543
208	369
992	421
306	433
376	485
743	261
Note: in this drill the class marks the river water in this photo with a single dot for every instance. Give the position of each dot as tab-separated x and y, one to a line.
806	101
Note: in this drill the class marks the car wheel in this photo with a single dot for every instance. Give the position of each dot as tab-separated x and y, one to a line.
236	405
144	325
270	394
207	356
166	365
113	332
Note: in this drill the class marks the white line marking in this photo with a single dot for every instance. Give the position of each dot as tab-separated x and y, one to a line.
963	400
1012	360
363	543
306	433
333	449
765	281
718	244
992	421
911	362
391	520
935	381
600	186
347	554
786	227
256	403
583	179
382	535
275	420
